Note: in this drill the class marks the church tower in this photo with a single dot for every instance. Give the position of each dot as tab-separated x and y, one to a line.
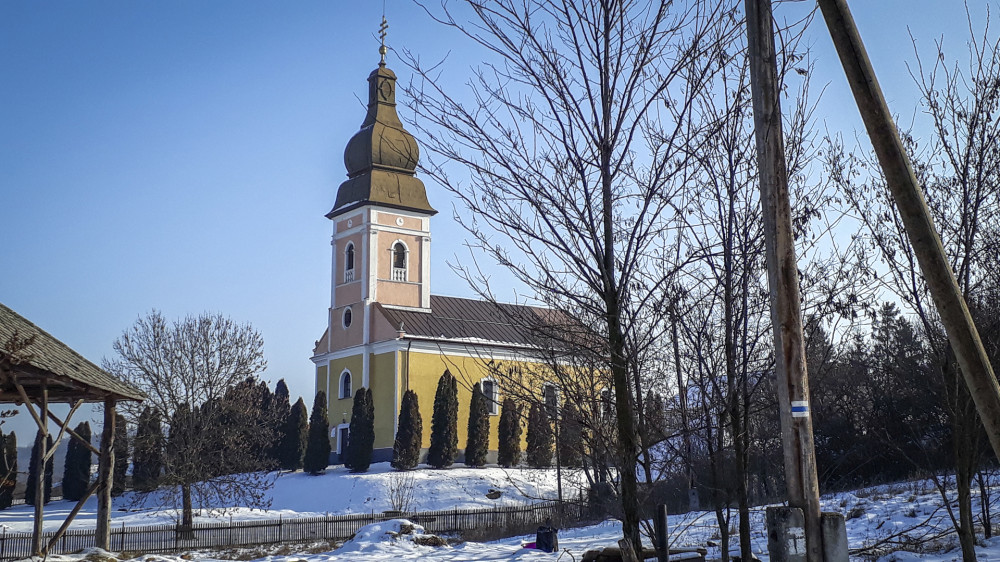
381	224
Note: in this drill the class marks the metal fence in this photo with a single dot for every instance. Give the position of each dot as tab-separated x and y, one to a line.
167	538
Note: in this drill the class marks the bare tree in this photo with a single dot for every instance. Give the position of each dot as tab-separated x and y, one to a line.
200	376
573	143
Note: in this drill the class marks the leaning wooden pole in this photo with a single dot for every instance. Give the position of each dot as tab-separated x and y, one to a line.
40	453
792	385
105	468
916	218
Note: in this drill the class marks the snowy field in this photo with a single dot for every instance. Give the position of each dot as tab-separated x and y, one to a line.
885	516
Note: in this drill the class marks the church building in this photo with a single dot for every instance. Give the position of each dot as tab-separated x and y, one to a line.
386	330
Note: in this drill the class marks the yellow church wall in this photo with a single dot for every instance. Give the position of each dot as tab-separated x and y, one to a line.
382	380
340	408
424	372
321	379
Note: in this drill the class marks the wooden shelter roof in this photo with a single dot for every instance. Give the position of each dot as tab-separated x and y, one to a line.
66	374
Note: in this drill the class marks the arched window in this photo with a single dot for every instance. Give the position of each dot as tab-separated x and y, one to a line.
550	396
399	261
489	387
345	384
349	263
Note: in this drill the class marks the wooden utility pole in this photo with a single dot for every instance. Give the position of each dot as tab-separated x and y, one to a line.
912	207
792	385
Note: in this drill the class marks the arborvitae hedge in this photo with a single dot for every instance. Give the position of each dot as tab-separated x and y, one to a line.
361	442
29	493
406	448
509	433
76	469
538	453
147	453
285	434
318	448
444	423
570	438
8	469
477	445
122	451
295	436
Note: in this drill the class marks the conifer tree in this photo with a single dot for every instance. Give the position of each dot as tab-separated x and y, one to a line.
317	455
295	436
570	437
76	468
354	428
279	412
409	435
362	439
147	454
444	423
509	433
477	446
538	452
8	470
122	451
33	472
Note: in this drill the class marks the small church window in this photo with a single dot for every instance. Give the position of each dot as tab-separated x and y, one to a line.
348	317
345	384
399	262
489	387
349	263
550	396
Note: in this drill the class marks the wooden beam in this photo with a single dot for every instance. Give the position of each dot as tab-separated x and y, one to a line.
105	478
74	434
69	518
29	404
62	430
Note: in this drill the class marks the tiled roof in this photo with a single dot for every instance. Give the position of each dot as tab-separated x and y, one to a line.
469	320
67	374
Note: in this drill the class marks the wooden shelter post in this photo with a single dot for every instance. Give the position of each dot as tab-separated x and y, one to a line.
40	454
102	534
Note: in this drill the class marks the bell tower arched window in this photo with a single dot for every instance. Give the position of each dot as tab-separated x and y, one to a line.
349	263
399	252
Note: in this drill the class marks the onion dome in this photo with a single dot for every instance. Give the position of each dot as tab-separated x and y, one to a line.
381	158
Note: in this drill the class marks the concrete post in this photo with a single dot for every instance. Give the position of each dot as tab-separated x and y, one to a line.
834	537
786	534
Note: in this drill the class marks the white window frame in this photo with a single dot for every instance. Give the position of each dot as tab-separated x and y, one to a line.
494	401
349	263
554	411
343	317
399	273
340	384
340	442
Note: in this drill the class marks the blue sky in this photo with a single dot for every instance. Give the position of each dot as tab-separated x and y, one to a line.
181	155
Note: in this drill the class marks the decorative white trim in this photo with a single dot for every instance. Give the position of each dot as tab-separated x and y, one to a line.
353	262
425	271
498	351
344	321
399	274
340	385
340	426
372	265
495	399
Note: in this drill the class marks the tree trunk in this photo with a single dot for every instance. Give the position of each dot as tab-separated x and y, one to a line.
187	518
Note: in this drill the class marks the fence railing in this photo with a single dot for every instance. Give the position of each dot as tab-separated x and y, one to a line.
167	538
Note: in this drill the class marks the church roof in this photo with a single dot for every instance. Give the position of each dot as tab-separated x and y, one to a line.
469	321
66	374
381	158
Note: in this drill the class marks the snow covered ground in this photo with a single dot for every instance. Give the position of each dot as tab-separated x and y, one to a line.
890	516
